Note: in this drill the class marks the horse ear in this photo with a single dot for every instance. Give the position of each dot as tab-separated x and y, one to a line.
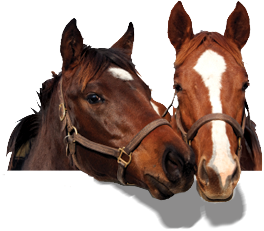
179	27
237	27
71	46
125	43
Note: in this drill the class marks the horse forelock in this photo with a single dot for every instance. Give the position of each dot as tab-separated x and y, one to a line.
208	38
96	61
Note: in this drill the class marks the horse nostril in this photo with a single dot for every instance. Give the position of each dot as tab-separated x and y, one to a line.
202	173
235	175
172	165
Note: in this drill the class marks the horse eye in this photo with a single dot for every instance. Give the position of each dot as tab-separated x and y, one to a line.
245	86
177	87
93	99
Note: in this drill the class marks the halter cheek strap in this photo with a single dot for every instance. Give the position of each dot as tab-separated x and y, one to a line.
123	155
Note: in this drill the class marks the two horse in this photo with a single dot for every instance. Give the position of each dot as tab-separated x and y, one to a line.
100	110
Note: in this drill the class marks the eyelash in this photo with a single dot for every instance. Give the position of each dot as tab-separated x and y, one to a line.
177	87
245	86
94	98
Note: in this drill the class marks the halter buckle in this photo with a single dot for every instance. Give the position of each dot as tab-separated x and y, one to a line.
120	160
62	111
72	129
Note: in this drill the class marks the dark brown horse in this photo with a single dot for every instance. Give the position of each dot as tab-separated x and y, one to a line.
96	116
210	81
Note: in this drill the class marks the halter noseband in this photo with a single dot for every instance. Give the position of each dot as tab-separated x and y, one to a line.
192	132
73	137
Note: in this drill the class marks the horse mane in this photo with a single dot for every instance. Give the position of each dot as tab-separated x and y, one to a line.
93	63
28	128
207	38
252	150
46	90
21	138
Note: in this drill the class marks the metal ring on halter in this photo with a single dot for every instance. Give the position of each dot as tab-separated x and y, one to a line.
72	129
69	133
67	144
64	140
62	107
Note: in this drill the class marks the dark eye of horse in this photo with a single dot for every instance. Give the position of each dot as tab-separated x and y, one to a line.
94	98
245	86
177	87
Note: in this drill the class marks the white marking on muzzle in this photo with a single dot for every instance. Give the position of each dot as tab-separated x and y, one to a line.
120	73
211	66
155	108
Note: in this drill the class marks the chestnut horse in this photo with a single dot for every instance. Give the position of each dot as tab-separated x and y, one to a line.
99	110
210	82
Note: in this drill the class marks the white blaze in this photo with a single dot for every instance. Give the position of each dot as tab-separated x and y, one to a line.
120	73
211	66
155	108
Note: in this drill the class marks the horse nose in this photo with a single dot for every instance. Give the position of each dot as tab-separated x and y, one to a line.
226	178
172	164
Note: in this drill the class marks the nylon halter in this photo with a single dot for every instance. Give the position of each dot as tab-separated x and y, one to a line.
74	137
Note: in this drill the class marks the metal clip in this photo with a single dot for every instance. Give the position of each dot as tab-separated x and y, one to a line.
65	140
67	149
120	160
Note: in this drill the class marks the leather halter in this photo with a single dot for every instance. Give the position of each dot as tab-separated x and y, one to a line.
74	137
190	135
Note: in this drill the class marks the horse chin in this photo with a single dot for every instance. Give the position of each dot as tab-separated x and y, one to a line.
206	198
157	189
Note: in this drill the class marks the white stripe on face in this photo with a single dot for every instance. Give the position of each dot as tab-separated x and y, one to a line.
120	73
155	108
211	66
